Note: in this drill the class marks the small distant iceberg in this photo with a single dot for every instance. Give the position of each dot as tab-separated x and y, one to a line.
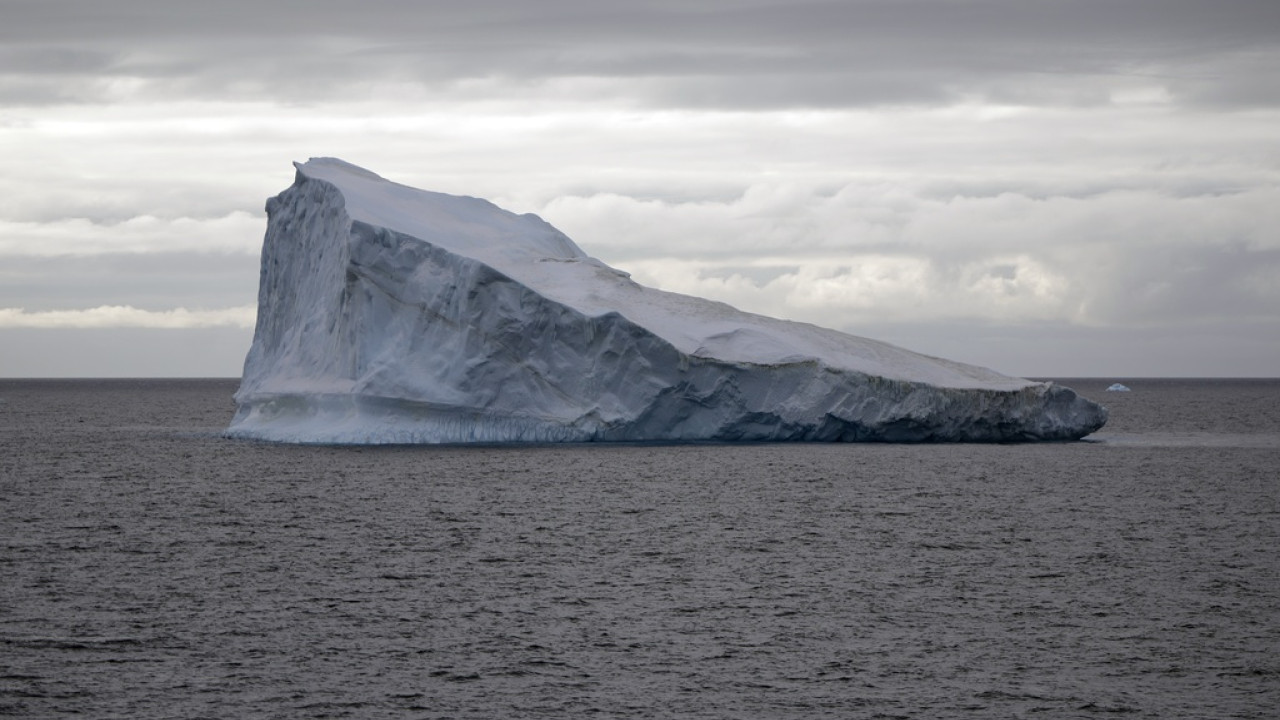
1117	387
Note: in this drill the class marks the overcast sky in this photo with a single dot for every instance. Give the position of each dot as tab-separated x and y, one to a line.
1044	187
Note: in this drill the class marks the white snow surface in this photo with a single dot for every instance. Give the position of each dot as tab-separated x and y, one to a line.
389	314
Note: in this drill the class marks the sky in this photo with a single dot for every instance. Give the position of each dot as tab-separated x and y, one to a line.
1049	188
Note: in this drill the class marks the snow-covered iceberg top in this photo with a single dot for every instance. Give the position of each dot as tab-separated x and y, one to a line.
390	314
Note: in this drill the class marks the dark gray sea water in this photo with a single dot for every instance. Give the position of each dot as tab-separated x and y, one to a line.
151	569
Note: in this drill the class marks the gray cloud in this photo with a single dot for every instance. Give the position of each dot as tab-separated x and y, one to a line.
54	60
124	352
1060	350
730	54
1005	182
1136	26
152	281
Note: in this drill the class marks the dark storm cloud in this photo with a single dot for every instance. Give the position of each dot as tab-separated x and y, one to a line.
734	54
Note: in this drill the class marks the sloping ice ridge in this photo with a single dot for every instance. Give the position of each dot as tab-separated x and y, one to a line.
388	314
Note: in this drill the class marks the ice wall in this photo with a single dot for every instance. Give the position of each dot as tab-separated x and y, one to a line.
393	315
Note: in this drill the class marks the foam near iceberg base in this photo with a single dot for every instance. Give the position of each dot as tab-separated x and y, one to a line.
393	315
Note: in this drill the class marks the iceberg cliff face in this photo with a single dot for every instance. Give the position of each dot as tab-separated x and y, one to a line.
391	315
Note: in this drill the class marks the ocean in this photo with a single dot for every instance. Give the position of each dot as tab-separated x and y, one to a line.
151	569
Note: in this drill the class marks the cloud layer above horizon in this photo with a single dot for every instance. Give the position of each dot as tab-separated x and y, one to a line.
987	180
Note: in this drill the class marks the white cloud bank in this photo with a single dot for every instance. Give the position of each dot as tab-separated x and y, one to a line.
237	232
890	252
124	316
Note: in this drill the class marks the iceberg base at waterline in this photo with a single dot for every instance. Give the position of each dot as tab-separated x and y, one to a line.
393	315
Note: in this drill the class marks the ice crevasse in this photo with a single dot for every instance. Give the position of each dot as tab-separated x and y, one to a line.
388	314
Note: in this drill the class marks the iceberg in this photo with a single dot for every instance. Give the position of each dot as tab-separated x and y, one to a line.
388	314
1117	387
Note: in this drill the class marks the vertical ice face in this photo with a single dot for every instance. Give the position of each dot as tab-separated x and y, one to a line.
392	315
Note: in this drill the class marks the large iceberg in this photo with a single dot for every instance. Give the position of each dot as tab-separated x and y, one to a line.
392	315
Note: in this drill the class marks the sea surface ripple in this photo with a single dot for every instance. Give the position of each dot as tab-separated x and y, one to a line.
152	569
